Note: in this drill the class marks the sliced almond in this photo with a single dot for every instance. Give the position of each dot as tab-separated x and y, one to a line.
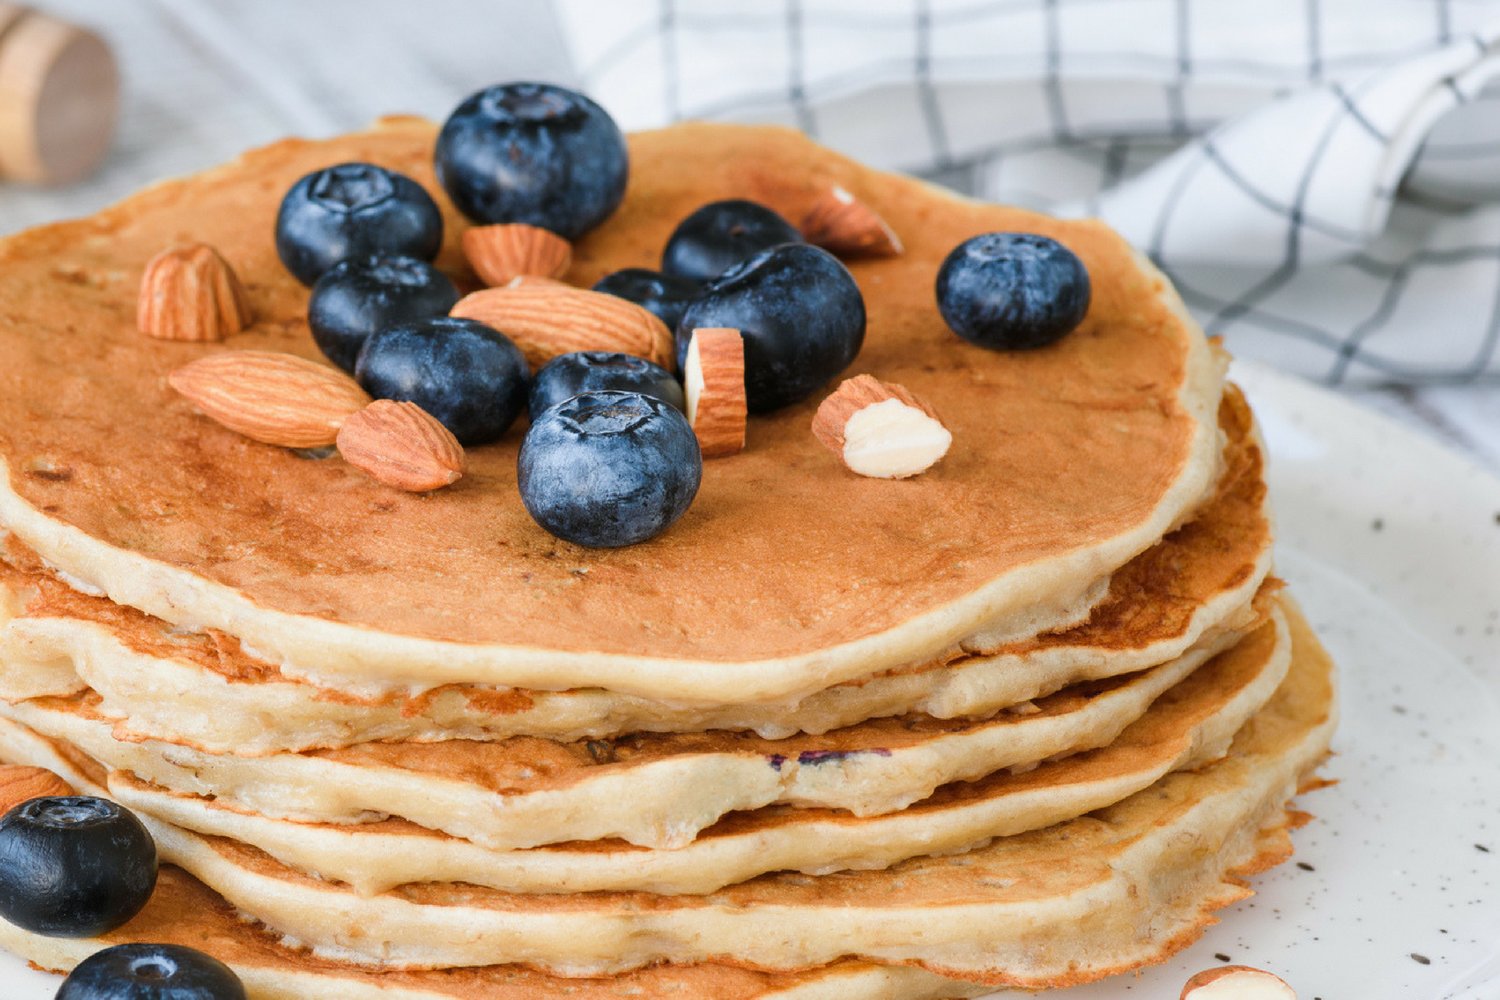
547	319
843	224
880	429
401	445
191	293
275	398
1237	982
22	784
713	377
501	252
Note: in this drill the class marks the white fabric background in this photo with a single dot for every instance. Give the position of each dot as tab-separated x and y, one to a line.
1307	171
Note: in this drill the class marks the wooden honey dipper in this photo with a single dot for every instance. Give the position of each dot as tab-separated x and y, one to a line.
59	97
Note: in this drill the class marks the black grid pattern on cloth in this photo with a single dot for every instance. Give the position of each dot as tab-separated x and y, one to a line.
1253	304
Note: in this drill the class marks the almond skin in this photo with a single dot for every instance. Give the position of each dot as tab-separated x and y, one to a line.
546	319
22	784
191	293
1237	982
880	429
274	398
401	445
841	223
501	252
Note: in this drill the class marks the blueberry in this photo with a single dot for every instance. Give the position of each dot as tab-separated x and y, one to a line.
720	235
609	468
151	972
354	298
664	295
468	376
1012	291
800	312
535	153
354	210
74	866
584	371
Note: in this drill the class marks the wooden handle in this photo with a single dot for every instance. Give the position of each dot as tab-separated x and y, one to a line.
59	97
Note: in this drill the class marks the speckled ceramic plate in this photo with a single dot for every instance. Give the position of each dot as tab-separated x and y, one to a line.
1393	547
1392	544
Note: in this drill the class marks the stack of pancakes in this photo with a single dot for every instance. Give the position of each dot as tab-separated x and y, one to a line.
1025	720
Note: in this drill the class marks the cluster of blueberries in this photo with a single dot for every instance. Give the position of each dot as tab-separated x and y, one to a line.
609	458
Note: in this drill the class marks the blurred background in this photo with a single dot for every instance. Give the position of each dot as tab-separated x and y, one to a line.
1321	178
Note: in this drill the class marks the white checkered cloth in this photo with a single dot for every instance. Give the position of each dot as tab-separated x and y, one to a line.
1321	178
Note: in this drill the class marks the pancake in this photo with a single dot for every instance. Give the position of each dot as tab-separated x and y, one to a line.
184	912
653	790
1189	725
1125	885
204	690
1068	461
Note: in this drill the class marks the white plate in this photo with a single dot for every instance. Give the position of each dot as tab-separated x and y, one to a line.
1393	547
1392	544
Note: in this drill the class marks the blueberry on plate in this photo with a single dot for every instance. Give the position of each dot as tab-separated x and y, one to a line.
467	375
534	153
605	469
151	972
567	375
354	210
720	235
663	295
1012	291
74	866
356	297
800	312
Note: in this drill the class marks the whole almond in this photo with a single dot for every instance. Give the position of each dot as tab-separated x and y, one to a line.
22	784
279	399
501	252
401	445
191	293
842	223
547	319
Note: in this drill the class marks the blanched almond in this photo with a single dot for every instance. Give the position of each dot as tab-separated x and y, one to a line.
880	429
275	398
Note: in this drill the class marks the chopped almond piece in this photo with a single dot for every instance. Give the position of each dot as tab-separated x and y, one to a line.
880	429
1237	982
191	293
714	383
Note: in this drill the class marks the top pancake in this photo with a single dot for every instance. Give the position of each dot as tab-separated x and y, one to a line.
788	575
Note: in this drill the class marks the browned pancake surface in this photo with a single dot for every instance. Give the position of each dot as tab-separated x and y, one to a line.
183	911
1152	598
784	550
